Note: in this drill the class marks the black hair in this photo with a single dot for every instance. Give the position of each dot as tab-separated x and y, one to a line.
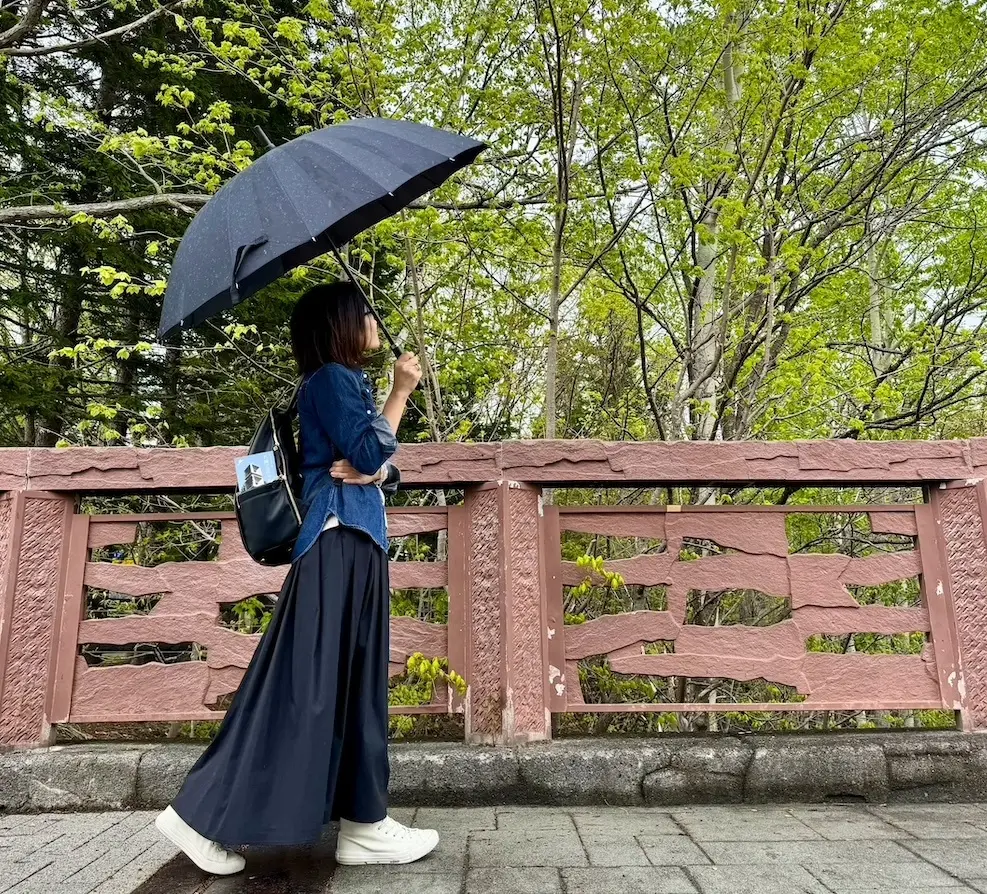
328	326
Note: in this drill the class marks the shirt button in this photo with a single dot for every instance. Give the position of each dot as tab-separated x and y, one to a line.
370	412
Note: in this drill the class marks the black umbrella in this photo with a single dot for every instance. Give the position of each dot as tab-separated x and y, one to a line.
301	200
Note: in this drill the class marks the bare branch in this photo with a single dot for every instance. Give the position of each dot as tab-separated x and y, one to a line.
492	203
20	215
29	21
486	204
7	50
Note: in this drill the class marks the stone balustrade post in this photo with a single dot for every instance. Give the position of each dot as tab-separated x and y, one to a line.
507	701
34	528
960	513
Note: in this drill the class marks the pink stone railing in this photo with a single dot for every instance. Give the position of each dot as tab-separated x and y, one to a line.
192	596
816	586
505	577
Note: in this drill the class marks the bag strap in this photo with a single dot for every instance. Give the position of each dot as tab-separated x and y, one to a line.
292	406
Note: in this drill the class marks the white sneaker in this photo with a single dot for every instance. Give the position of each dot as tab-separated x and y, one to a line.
384	842
207	855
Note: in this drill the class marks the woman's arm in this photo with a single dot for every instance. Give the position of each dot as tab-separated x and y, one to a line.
407	374
365	438
394	407
388	477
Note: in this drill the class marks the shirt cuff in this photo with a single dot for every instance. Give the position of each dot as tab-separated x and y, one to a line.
385	436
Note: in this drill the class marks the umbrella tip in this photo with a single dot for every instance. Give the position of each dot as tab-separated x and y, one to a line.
265	140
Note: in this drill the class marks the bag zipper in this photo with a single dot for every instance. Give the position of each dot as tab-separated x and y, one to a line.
281	475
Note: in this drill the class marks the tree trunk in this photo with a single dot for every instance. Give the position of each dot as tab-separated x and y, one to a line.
68	312
433	392
565	143
703	379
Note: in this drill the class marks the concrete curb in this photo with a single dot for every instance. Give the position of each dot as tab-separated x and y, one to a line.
881	767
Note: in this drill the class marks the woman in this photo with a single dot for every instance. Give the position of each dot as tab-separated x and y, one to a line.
305	738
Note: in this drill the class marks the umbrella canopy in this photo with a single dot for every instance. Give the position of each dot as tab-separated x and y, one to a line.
301	200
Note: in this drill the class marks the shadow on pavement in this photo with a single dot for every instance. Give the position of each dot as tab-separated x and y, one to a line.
269	871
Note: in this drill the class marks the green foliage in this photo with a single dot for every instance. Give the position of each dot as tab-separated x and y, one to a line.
801	218
426	605
418	688
251	616
159	542
594	565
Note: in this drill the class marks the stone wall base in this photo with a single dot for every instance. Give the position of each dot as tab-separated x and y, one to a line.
906	767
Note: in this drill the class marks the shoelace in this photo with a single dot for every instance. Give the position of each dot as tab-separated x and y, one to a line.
217	851
395	829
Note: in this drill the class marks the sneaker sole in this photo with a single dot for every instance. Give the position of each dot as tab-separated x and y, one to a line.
204	864
369	859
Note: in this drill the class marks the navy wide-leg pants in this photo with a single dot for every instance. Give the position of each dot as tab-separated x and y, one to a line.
305	739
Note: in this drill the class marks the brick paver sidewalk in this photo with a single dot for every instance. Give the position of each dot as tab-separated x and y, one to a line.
693	850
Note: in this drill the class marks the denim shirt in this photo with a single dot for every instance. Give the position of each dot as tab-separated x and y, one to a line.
338	419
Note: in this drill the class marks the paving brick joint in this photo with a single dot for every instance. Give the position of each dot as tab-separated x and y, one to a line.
701	849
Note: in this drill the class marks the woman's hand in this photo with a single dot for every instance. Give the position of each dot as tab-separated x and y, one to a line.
407	373
343	470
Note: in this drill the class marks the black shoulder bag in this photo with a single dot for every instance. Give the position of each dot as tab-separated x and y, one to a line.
269	515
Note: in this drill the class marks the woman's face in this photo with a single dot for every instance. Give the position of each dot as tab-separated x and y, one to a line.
370	329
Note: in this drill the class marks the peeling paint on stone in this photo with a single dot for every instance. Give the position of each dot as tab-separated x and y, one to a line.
508	723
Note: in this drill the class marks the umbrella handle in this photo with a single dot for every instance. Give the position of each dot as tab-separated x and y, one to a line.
382	326
380	322
395	348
